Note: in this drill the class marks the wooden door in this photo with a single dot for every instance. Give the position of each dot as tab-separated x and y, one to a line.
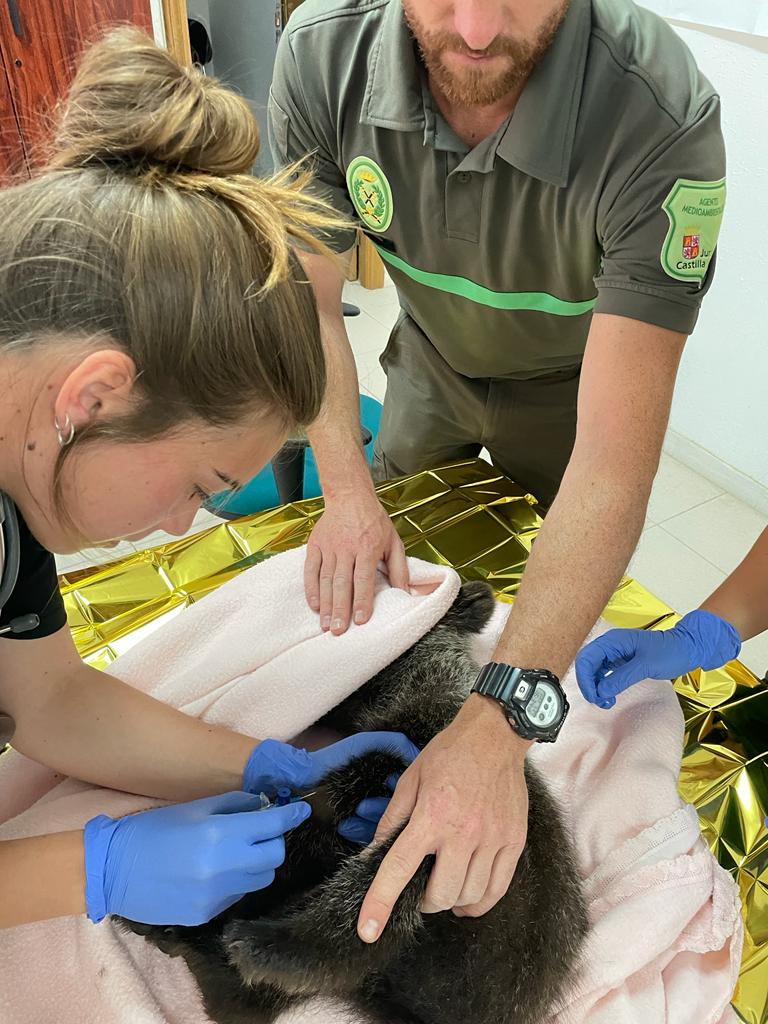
12	160
39	44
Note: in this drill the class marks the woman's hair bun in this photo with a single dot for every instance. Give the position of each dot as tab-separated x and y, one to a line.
131	104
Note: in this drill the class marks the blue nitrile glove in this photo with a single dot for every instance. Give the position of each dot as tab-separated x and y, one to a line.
185	863
699	640
361	828
274	764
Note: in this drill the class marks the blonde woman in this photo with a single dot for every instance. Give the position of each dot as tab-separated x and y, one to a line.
157	340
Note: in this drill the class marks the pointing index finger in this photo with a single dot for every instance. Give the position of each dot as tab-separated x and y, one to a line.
395	872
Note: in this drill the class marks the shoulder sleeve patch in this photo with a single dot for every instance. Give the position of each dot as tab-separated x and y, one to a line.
695	212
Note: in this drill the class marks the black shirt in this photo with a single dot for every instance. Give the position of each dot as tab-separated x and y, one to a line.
36	590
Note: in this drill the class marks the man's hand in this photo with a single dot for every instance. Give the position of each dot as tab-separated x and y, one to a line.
353	535
467	801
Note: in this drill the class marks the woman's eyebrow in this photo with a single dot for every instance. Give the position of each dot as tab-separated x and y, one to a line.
234	484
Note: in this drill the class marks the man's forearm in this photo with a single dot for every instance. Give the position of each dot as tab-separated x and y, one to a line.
581	552
97	728
354	534
336	435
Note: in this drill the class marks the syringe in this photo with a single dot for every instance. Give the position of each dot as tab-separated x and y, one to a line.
285	795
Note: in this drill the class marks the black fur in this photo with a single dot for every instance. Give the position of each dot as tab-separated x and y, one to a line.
298	938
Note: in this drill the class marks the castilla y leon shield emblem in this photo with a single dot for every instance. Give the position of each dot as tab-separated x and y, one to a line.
691	246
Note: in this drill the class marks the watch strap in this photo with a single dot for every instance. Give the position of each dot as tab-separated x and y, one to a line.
513	688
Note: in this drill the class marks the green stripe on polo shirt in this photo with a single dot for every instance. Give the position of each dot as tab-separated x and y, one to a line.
540	302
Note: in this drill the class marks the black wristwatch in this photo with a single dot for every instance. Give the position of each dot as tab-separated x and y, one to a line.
532	698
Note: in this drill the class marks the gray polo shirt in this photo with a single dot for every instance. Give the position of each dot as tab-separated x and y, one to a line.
603	192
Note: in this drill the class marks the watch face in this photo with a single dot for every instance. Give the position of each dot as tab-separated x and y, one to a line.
544	708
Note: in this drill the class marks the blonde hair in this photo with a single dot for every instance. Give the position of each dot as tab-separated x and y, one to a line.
145	228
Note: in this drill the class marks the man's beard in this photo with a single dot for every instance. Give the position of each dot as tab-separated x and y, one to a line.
481	87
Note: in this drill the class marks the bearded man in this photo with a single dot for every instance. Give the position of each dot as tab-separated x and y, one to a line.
545	182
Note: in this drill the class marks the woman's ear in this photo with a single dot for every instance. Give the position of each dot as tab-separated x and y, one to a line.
100	387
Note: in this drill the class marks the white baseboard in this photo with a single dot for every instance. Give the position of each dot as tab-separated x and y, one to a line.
732	480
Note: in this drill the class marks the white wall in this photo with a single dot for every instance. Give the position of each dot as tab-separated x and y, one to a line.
719	421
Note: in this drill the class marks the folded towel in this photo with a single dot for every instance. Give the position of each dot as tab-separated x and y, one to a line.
666	937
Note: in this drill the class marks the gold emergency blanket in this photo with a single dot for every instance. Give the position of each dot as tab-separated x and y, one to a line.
469	516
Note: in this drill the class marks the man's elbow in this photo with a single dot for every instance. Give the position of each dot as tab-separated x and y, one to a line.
623	468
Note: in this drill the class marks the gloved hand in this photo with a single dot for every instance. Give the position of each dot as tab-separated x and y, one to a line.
621	657
274	764
362	827
185	863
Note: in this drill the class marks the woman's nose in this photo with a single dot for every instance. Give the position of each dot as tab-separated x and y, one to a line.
180	523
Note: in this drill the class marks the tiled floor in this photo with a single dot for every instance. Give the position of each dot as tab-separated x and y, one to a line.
694	534
369	331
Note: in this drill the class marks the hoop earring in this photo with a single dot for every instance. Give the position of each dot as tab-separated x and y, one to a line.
64	432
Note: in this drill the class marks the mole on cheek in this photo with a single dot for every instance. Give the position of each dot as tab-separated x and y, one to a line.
31	446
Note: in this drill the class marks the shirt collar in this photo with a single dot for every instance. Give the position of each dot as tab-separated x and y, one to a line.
539	136
537	139
393	93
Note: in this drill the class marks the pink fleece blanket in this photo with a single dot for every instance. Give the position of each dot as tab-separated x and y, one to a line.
665	943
